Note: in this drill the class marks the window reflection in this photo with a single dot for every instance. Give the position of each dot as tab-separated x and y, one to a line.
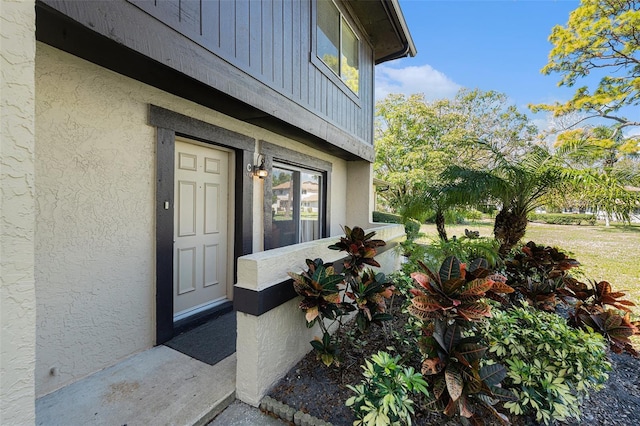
328	35
335	39
296	207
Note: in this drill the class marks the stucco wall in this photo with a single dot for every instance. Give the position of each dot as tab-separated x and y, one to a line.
274	342
17	292
95	194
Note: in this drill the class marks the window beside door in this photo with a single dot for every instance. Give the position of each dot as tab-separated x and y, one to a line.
297	207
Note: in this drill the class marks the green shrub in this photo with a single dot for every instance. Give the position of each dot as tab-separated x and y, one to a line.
411	227
434	253
383	217
563	219
463	248
413	253
451	217
472	214
552	366
383	397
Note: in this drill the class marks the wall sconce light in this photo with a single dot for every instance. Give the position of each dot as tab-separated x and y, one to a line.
259	169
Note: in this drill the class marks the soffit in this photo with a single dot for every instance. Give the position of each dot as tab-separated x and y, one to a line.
386	27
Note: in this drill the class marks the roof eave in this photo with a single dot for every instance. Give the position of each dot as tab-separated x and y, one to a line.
408	48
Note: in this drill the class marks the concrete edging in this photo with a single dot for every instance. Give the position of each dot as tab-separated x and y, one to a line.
290	414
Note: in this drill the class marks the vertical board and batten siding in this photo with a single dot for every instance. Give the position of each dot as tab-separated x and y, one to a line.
270	40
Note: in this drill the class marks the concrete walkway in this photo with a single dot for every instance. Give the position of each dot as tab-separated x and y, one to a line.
159	386
241	414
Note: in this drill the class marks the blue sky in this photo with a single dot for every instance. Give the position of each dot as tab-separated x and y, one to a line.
491	45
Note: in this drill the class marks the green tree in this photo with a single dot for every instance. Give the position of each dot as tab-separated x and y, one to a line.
518	185
603	169
599	146
416	140
601	37
411	147
433	199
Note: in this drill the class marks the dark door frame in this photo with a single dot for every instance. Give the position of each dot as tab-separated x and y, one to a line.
170	124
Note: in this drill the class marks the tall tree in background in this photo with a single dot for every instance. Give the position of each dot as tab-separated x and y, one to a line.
603	169
599	146
517	185
601	37
417	139
412	145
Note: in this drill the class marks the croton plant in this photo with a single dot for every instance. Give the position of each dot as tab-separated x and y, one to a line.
456	292
330	295
597	306
538	273
449	302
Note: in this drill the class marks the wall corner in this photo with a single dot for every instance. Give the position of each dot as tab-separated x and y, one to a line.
17	212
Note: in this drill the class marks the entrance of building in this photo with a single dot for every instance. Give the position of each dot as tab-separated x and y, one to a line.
201	254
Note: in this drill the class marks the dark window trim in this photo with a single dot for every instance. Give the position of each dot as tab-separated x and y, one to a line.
324	68
283	155
170	124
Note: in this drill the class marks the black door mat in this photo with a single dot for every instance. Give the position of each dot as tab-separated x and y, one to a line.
211	342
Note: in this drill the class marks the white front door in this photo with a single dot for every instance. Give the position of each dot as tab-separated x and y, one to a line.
200	259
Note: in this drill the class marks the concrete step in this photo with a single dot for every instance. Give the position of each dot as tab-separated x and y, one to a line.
159	386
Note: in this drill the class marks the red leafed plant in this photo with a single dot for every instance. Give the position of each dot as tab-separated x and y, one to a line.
455	292
360	247
539	274
590	303
329	295
449	302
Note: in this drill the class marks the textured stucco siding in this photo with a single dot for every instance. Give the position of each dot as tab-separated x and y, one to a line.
17	140
95	221
95	192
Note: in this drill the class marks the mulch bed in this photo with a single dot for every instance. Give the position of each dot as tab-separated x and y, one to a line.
321	391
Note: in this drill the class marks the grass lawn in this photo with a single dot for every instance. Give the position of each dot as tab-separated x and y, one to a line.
606	254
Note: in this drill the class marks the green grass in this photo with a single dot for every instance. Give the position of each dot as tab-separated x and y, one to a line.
607	254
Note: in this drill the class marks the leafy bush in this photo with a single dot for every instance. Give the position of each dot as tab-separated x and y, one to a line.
414	252
450	301
539	273
552	366
563	219
451	217
465	249
472	214
328	295
590	303
411	227
434	253
383	397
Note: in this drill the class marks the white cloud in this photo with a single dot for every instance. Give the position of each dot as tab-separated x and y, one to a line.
632	132
414	79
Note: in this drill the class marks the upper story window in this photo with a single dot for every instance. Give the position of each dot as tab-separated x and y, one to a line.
335	39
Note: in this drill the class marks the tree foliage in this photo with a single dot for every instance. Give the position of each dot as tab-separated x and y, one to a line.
518	185
603	170
417	139
601	37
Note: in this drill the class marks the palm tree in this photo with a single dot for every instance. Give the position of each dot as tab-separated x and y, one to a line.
518	186
432	199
